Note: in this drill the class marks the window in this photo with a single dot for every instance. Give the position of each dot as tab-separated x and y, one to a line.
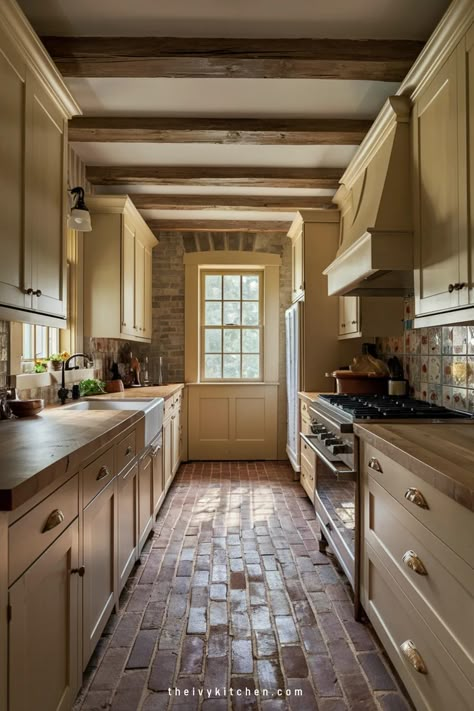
38	342
231	325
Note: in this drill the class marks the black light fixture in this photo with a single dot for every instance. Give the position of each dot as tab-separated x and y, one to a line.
80	218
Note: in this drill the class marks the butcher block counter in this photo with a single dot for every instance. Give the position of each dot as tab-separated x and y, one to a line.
440	454
34	451
164	391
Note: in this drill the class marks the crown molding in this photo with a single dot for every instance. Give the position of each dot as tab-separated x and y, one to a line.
38	60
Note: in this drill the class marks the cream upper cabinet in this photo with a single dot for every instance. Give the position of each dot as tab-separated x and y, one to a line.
470	150
117	271
33	192
369	317
441	181
348	315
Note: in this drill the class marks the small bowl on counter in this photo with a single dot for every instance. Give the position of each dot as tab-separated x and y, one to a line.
26	408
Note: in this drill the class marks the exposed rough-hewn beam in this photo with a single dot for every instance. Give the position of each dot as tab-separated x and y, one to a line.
219	226
112	129
267	203
203	175
375	60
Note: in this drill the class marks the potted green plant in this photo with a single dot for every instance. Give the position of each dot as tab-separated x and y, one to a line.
56	360
41	366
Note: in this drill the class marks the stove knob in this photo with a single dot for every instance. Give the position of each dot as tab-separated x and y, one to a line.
316	429
322	436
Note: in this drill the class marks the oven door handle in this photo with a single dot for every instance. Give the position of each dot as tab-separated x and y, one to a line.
327	462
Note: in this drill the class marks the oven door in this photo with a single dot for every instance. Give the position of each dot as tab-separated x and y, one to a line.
337	507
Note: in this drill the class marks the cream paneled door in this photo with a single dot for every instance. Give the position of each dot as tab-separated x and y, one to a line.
45	201
13	82
232	421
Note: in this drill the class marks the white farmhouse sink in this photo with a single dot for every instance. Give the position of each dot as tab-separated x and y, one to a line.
152	407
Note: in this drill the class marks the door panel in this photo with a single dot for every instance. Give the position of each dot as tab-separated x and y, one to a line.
127	524
12	129
128	279
145	499
139	286
43	631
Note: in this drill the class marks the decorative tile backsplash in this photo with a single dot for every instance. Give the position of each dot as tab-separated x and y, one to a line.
438	362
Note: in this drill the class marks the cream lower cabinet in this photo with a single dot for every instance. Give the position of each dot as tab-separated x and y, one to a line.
43	629
36	106
127	533
167	453
158	477
176	440
99	581
443	159
417	580
118	271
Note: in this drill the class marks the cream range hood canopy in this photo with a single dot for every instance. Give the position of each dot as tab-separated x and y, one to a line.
375	256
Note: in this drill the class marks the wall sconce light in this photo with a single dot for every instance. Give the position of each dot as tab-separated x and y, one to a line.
80	218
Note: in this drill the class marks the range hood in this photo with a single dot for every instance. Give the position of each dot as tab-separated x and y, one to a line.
375	256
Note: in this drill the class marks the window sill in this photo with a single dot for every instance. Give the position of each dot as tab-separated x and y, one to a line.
27	381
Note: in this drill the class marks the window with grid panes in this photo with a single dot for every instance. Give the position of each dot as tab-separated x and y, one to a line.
39	342
231	325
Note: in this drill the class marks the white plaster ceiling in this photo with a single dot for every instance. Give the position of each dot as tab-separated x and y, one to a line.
374	19
250	98
193	154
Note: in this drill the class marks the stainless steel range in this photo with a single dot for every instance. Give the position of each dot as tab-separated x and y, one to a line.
337	476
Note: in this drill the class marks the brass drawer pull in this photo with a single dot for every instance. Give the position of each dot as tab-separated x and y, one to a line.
414	657
128	450
411	559
416	497
80	571
54	519
103	472
375	465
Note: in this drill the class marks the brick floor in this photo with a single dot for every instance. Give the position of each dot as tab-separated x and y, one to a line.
232	593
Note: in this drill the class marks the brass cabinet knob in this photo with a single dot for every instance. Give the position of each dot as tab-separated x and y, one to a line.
411	653
451	288
38	292
411	559
54	519
103	472
353	323
416	497
128	450
29	291
375	465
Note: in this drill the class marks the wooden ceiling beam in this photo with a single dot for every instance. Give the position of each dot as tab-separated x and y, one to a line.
374	60
265	203
262	132
253	226
202	175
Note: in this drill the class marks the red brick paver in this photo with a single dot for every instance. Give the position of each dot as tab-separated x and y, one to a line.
232	599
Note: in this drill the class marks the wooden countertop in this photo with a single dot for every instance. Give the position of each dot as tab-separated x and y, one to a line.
309	397
441	454
164	391
34	451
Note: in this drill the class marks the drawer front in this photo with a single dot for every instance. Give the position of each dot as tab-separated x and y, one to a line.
396	621
448	520
435	579
307	480
125	451
97	475
29	537
308	456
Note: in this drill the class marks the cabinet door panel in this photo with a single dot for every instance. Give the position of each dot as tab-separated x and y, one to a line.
148	321
45	200
127	523
167	453
145	499
12	88
139	286
158	483
176	440
437	242
128	280
43	631
99	562
470	157
298	266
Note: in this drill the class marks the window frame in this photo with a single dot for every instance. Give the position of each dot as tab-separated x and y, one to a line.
46	337
221	271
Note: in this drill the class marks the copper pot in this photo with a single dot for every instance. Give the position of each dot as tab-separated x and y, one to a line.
351	383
